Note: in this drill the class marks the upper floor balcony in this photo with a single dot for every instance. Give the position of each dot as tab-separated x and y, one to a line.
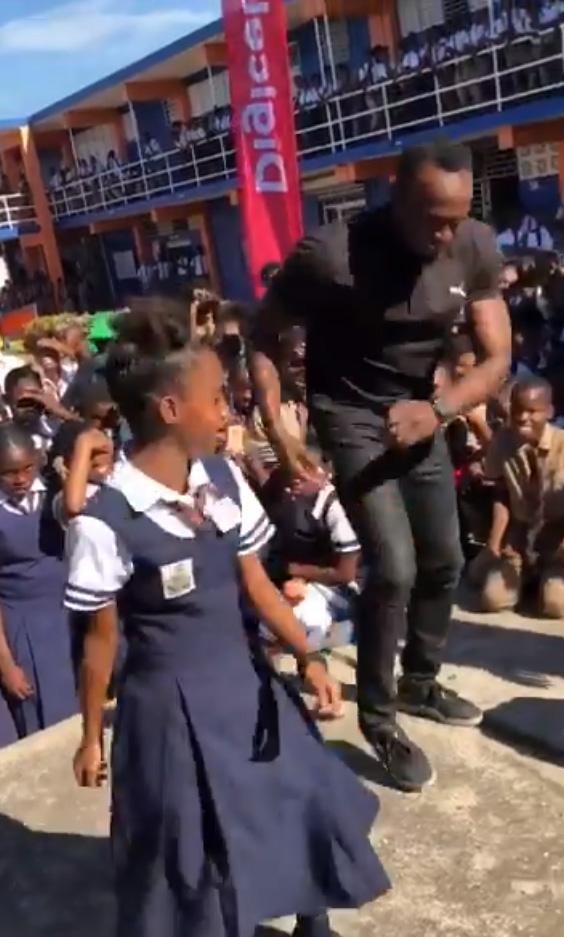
363	115
17	215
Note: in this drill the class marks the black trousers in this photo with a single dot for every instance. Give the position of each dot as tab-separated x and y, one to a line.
403	508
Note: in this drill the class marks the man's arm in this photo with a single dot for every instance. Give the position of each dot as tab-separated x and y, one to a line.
291	297
410	422
491	328
291	452
487	317
295	290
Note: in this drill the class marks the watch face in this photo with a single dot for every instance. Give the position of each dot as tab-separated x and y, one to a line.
441	412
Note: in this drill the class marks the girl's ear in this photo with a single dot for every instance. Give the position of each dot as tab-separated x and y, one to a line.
168	410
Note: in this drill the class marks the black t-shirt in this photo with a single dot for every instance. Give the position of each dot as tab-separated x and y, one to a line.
377	316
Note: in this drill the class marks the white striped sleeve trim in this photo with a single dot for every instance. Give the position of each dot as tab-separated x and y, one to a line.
256	528
82	600
99	565
343	537
253	544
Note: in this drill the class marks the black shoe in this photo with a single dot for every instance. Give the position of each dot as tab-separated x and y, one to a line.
317	926
433	701
406	764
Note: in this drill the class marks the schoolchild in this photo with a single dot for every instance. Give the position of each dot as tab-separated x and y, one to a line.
227	808
35	660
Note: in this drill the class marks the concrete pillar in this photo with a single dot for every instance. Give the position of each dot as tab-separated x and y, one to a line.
48	240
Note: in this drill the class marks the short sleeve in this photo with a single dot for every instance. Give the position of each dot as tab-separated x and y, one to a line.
496	456
99	565
58	509
343	537
256	528
301	287
485	265
329	509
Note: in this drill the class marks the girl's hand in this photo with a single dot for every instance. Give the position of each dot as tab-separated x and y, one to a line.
329	700
15	682
90	769
95	441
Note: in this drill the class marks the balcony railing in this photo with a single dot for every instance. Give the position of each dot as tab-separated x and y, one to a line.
489	80
15	210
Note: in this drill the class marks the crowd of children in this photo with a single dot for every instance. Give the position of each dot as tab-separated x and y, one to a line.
63	435
208	577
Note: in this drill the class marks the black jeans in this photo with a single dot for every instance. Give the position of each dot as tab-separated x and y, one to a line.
403	508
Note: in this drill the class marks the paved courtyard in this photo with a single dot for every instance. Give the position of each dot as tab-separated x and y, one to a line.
480	853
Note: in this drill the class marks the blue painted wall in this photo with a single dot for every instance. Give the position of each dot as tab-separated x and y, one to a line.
114	242
48	160
227	234
309	59
359	42
540	197
310	207
151	118
377	192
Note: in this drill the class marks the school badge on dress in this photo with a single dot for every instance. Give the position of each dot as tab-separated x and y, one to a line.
178	579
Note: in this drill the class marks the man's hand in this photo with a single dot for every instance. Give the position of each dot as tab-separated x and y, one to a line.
410	422
15	682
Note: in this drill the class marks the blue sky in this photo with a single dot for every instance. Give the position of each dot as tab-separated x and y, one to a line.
50	48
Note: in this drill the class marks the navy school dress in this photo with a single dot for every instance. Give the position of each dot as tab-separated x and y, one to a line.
32	584
301	536
227	808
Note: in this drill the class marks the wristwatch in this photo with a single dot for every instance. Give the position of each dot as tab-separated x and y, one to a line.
443	412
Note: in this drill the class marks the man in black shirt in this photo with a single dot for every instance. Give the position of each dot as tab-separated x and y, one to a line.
379	296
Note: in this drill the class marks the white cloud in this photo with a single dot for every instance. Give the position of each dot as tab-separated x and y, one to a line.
82	25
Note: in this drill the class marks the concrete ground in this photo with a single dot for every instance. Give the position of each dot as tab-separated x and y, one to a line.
480	853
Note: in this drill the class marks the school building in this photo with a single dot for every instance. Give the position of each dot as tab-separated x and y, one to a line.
139	167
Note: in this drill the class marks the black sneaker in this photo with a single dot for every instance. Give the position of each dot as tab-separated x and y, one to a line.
433	701
317	926
407	765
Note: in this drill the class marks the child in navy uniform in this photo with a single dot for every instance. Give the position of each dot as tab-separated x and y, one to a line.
35	660
85	465
227	808
32	408
313	556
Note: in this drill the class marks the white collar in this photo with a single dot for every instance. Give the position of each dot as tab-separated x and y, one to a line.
143	493
37	486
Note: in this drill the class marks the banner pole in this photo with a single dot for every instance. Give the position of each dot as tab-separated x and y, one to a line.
264	130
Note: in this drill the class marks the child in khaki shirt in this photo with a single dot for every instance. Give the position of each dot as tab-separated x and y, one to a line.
526	542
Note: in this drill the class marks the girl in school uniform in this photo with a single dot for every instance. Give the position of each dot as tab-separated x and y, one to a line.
227	808
35	661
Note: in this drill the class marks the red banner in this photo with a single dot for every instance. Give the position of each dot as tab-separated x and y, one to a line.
263	124
13	323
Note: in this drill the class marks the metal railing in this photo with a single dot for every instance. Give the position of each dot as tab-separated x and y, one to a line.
210	160
488	80
15	209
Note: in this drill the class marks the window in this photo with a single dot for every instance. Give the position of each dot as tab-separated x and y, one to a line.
295	59
416	16
537	161
453	9
343	205
202	96
96	141
482	199
339	34
172	110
